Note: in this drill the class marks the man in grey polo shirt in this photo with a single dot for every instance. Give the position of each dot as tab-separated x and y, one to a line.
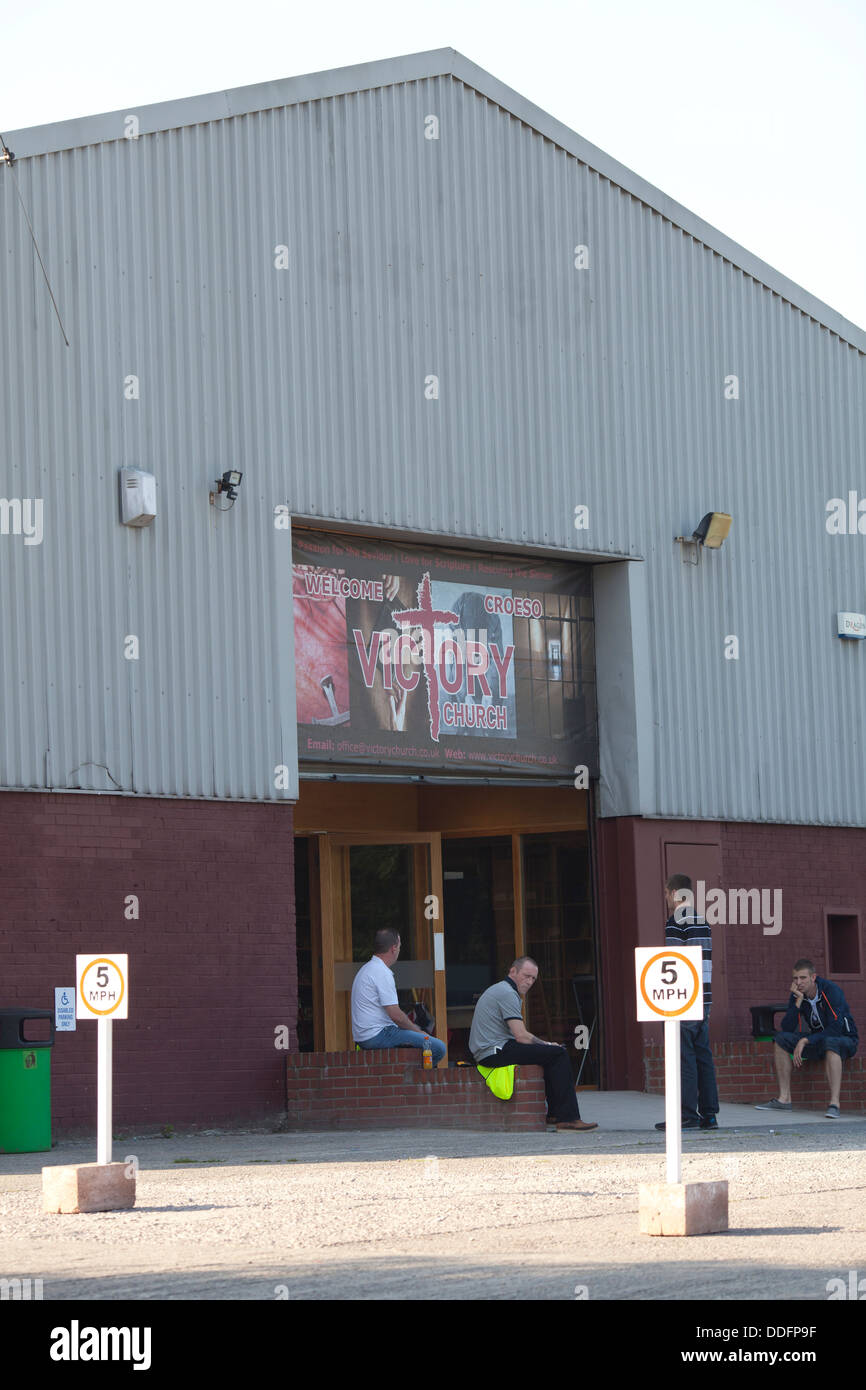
499	1039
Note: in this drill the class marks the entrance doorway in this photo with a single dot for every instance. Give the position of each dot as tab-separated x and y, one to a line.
471	878
367	881
479	912
560	935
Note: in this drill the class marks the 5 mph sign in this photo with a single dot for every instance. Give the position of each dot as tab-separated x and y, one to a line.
102	992
101	989
669	983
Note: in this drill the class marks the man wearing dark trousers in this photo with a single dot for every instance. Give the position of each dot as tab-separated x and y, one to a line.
699	1096
498	1038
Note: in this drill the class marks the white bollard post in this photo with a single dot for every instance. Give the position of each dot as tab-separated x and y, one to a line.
668	981
103	1090
101	992
673	1107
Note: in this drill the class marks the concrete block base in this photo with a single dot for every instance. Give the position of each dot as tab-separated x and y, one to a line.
87	1187
682	1208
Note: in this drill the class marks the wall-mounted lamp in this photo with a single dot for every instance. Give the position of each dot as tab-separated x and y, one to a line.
710	531
227	484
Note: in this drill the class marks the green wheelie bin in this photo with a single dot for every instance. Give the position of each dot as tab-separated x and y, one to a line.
25	1083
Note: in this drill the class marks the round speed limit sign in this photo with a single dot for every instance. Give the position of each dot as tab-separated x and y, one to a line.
669	983
102	986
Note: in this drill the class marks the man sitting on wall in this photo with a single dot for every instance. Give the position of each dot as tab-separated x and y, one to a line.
818	1024
498	1039
377	1019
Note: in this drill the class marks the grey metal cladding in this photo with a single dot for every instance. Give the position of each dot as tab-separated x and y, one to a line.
411	257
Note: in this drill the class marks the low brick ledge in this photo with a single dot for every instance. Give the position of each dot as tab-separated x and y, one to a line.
389	1089
746	1076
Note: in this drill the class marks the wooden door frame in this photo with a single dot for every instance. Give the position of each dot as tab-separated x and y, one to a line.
332	897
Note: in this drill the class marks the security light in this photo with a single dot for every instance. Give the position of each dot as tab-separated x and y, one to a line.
712	529
226	485
229	481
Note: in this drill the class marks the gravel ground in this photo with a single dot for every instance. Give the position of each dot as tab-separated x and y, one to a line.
444	1215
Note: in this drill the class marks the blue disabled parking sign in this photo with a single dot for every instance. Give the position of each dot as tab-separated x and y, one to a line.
64	1009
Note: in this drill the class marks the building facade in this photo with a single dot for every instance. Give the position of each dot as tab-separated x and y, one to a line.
442	663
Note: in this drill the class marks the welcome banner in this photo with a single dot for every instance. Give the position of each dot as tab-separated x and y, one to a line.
441	658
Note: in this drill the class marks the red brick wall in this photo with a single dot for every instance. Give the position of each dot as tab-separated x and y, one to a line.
746	1076
212	955
817	868
389	1089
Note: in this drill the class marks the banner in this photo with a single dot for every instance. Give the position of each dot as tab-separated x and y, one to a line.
441	658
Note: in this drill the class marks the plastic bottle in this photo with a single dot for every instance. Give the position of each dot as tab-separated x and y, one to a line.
427	1054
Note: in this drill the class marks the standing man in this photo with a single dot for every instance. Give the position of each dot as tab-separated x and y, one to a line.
377	1019
699	1093
818	1024
499	1039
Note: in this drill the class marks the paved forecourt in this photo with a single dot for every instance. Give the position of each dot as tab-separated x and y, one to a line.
453	1214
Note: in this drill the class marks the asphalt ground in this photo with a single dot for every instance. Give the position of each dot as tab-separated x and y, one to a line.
446	1214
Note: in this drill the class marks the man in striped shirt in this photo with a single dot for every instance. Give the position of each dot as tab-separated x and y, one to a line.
699	1094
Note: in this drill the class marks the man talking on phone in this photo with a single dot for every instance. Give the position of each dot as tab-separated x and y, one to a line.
818	1024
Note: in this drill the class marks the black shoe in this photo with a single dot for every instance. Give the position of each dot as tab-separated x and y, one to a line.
709	1122
686	1124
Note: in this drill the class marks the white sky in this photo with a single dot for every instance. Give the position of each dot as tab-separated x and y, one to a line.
752	113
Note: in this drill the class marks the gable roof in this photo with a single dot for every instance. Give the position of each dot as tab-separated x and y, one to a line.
388	72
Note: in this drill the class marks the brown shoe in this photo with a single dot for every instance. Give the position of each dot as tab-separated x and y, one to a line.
576	1124
550	1120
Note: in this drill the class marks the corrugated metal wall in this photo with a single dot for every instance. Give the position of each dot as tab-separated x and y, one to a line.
407	258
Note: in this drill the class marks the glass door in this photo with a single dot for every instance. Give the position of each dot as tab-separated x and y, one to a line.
560	936
479	905
367	882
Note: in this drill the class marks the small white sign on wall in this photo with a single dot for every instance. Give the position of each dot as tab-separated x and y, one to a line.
438	950
64	1008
